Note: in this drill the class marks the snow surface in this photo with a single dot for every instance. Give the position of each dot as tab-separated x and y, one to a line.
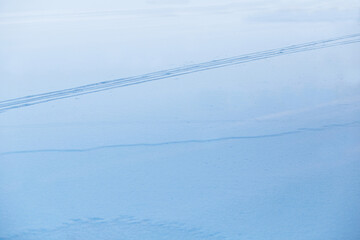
268	149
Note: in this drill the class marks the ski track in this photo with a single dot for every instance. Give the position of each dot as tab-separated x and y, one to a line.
210	140
123	82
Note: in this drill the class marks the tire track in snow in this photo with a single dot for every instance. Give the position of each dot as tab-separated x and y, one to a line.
123	82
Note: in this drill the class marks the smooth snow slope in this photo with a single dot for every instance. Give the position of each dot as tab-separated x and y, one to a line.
263	150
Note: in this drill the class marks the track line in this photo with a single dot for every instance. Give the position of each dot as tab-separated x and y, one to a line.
168	73
188	141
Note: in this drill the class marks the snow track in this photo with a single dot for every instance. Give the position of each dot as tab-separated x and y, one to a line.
168	73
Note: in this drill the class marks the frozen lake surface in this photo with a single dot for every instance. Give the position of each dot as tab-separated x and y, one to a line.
267	149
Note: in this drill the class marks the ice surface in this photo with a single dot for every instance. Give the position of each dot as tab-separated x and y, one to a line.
264	150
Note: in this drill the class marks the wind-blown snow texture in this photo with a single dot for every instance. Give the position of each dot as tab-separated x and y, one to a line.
217	149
